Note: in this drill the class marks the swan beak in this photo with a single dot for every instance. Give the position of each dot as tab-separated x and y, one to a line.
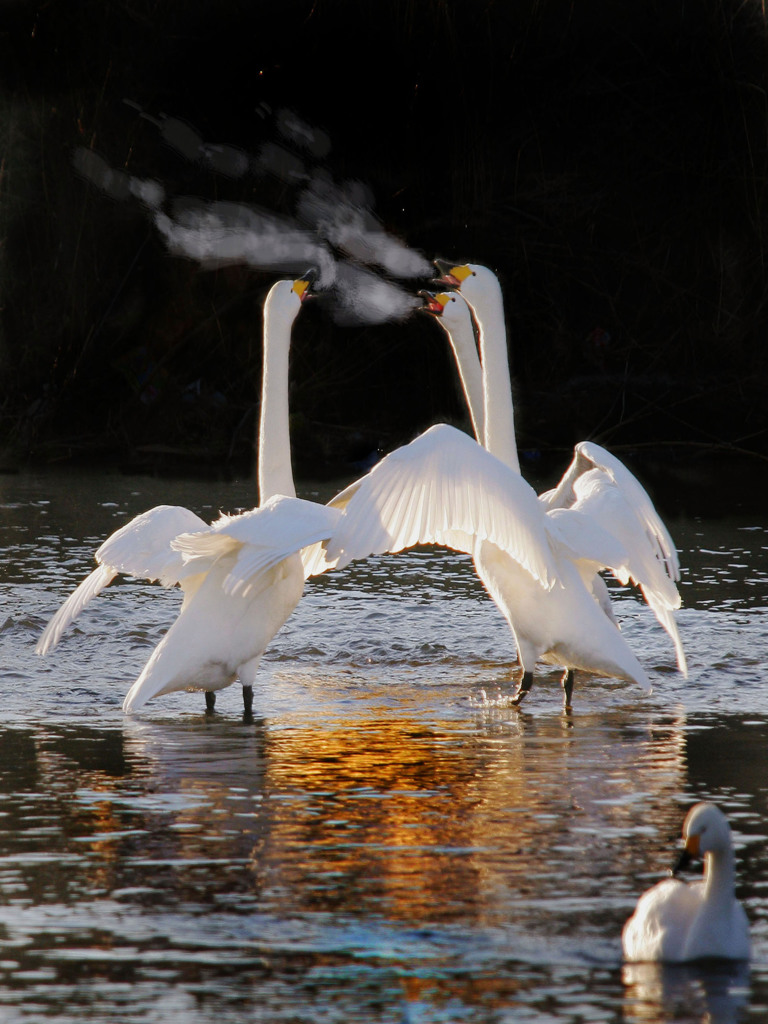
301	287
434	303
690	851
450	274
681	863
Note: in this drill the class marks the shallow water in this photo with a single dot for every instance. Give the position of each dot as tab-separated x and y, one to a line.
389	840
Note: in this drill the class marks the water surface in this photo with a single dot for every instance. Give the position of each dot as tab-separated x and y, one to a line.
388	840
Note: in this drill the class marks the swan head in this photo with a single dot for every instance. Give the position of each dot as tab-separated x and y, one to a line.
451	309
474	281
287	296
705	830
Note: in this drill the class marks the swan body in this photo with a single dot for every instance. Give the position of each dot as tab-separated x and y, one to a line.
676	922
596	484
242	576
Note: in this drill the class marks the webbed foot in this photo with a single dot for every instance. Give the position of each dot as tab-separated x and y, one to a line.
210	701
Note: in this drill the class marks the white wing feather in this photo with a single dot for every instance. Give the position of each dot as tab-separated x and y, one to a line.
648	563
589	456
637	497
258	539
585	540
141	548
444	488
91	587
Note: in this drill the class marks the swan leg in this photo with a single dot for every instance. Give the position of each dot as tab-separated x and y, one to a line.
247	703
525	684
210	701
567	684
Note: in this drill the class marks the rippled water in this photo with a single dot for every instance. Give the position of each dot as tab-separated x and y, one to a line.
389	840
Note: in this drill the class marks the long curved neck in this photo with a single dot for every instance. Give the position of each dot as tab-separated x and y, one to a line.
497	389
719	879
275	472
462	339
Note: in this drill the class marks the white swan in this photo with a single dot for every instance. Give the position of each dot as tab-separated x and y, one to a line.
596	484
676	922
445	488
241	577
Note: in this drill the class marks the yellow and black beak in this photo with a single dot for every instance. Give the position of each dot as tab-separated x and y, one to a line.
302	286
690	852
451	275
434	302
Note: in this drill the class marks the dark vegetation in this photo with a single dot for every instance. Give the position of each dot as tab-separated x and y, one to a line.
609	161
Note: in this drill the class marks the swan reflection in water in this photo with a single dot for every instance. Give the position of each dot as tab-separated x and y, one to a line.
713	992
483	850
386	807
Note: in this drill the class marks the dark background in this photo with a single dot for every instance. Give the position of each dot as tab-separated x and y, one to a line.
607	160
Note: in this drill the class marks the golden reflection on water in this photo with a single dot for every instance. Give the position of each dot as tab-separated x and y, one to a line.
508	823
526	836
420	821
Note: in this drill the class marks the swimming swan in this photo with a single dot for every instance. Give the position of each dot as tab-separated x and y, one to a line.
674	921
596	484
242	576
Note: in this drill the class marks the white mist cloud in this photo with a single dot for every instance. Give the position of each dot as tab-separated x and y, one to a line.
181	136
333	231
215	234
118	184
229	160
148	191
363	297
342	215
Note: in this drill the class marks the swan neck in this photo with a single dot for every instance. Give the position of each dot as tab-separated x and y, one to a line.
275	472
470	374
719	876
500	437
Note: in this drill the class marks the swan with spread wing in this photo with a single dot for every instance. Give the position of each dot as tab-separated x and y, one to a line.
596	484
444	488
242	576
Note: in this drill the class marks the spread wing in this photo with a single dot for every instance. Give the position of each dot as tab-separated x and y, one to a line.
583	539
615	503
315	557
257	540
141	548
637	498
589	456
443	488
